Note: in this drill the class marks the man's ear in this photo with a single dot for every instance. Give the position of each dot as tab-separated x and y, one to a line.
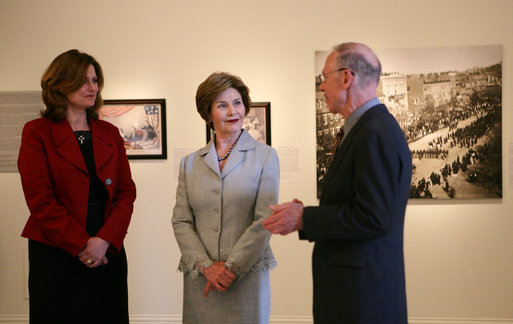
346	79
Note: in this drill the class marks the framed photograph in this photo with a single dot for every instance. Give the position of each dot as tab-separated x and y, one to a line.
448	102
141	123
257	123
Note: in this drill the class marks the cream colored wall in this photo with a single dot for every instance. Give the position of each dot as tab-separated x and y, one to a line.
459	255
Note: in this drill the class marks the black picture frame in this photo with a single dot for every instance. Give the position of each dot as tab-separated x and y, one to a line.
257	123
141	123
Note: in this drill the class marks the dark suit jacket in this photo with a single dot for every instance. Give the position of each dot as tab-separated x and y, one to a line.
358	263
56	184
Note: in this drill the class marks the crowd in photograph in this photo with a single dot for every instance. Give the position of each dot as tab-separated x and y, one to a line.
466	137
482	108
441	177
487	109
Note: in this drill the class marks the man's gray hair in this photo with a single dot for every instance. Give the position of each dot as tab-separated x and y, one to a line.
361	60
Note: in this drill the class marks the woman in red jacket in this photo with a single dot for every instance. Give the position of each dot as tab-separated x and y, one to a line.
79	190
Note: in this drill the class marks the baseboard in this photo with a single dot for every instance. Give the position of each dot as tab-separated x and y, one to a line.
177	319
10	319
155	319
291	320
458	320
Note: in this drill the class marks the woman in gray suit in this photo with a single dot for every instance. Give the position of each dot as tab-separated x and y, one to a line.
224	192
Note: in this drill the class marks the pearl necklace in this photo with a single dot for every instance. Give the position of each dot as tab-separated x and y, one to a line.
219	159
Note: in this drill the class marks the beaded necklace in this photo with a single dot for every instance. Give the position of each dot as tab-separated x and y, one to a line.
219	159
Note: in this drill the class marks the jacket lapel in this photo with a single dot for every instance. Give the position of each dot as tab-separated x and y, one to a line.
102	144
245	143
233	160
66	144
209	153
337	159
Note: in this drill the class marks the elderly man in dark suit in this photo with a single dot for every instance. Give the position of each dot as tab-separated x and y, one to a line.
358	262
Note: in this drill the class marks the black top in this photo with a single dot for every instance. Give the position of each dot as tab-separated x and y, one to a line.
97	191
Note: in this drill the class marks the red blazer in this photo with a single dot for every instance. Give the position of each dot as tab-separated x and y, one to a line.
56	184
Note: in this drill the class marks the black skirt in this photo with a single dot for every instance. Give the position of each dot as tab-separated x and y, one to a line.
63	290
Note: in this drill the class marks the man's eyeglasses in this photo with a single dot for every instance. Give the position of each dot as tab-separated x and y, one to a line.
322	76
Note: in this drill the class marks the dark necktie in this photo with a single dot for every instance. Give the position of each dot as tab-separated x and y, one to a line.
338	139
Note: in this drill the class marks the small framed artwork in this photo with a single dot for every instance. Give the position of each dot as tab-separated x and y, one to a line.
257	123
141	123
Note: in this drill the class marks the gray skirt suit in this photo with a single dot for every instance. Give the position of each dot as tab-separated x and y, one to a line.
217	217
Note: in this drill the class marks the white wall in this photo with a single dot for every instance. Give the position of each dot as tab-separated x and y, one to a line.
459	255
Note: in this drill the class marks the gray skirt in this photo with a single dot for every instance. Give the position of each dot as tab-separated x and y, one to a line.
247	301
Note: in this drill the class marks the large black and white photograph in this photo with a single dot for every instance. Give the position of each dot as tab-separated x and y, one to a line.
448	101
141	123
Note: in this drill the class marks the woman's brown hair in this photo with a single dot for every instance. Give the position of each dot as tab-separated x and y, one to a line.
216	83
66	74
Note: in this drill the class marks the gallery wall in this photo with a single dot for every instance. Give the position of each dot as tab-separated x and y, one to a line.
459	254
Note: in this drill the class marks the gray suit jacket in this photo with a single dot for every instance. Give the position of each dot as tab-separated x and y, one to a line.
218	214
